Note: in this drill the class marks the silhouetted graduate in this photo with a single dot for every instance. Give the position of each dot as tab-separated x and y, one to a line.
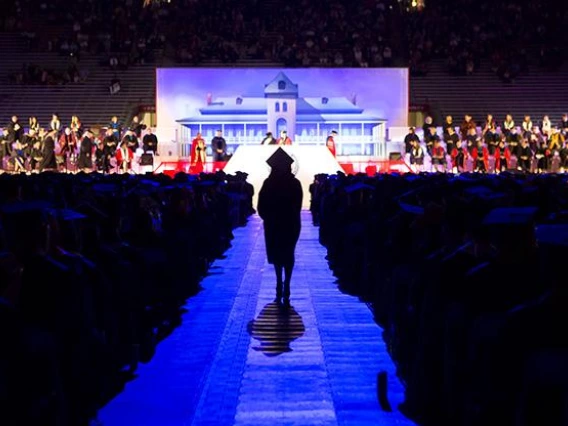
279	206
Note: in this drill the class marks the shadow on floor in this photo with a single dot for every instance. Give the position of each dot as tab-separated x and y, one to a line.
275	327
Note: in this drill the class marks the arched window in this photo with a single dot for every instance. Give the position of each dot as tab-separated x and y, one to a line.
285	106
281	85
277	107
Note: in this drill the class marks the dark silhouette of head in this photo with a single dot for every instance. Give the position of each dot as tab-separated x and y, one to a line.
280	162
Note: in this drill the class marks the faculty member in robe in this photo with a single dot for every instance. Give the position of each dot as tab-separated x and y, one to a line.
48	161
330	142
284	139
268	139
279	206
85	160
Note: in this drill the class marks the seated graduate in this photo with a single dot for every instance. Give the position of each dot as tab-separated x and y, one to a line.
416	154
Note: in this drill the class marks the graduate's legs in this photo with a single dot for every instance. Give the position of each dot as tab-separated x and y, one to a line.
279	282
287	279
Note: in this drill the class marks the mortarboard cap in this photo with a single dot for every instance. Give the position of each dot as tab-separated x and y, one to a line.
552	235
411	209
25	207
359	186
67	215
513	216
280	160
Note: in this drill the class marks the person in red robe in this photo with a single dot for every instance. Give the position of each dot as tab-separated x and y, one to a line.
284	139
124	157
480	156
198	154
459	155
438	157
330	143
502	157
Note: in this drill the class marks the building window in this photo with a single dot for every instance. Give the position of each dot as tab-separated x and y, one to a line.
277	107
281	85
285	106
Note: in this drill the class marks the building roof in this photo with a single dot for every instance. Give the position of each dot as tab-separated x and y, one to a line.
281	86
261	118
245	105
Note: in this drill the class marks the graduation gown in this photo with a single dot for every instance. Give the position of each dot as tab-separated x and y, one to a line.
48	155
286	141
481	158
279	206
502	158
85	160
330	143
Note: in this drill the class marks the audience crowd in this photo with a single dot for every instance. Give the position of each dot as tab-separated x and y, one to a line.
466	276
302	33
94	270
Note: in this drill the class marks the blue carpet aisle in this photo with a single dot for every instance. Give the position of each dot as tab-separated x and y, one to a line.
240	359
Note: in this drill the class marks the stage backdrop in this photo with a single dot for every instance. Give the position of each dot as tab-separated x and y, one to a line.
308	103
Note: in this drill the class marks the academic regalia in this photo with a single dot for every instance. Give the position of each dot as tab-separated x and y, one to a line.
330	143
481	158
285	141
124	157
408	139
198	156
67	144
85	160
131	142
48	161
219	143
459	156
542	155
268	140
279	206
110	143
36	155
5	147
417	156
438	156
502	158
100	157
525	158
451	141
150	142
15	131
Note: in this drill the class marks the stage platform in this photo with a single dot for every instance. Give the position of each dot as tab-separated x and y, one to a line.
316	364
308	162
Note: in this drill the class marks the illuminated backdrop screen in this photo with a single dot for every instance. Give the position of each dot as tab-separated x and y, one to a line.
308	103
